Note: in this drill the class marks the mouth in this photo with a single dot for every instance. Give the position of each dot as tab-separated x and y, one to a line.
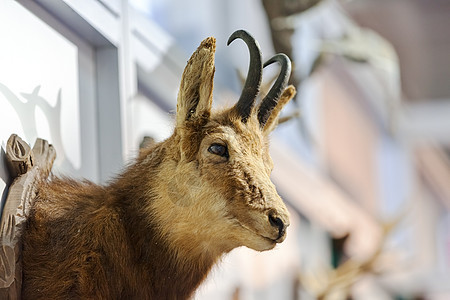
275	241
268	239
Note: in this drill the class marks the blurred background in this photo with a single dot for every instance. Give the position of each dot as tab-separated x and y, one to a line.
362	159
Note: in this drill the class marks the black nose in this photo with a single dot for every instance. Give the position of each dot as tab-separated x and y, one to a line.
277	222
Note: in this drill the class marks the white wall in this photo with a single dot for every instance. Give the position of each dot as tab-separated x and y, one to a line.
39	89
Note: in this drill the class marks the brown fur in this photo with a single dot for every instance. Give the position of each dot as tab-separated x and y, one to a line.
156	230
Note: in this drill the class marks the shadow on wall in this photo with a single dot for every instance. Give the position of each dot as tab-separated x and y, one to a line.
26	113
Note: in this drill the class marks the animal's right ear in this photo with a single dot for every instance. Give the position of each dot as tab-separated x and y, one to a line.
195	94
272	122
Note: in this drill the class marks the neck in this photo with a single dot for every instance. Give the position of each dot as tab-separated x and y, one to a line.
170	261
168	271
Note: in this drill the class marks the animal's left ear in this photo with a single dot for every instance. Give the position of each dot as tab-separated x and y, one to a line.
285	97
195	94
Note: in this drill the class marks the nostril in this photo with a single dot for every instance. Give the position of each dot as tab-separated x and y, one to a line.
277	222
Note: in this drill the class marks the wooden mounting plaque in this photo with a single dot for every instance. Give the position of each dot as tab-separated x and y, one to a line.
28	167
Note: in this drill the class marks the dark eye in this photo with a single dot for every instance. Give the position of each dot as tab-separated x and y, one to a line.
218	149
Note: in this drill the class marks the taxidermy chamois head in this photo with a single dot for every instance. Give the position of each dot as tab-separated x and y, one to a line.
221	177
157	229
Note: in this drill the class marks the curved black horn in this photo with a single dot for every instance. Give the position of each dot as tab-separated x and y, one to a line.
272	97
254	75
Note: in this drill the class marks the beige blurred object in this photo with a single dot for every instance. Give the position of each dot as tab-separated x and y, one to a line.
327	284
